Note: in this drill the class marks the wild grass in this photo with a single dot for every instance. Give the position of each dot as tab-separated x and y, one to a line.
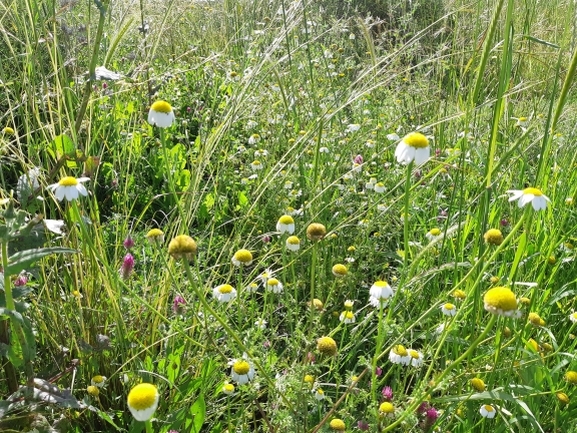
320	99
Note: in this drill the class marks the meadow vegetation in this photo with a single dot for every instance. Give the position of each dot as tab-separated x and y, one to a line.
276	216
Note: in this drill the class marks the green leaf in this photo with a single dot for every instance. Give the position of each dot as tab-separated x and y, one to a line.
198	412
20	349
61	146
23	259
541	41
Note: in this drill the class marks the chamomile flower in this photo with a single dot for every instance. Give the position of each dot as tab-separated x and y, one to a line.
413	147
161	114
399	355
380	292
379	187
293	243
182	246
387	409
224	293
501	301
488	411
573	317
337	424
93	390
433	234
69	187
98	381
318	393
340	270
529	195
327	346
285	224
478	384
155	236
416	357
449	309
228	389
256	165
316	231
347	316
273	285
242	371
242	257
143	401
493	237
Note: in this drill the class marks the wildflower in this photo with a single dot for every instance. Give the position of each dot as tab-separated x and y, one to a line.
522	121
573	317
378	371
256	165
93	390
501	301
28	183
431	416
309	379
155	236
285	224
327	346
416	357
536	320
228	388
77	294
488	411
242	372
260	324
349	304
379	187
98	381
363	425
478	384
128	242
177	304
494	279
449	309
529	195
340	270
379	292
127	266
317	304
337	424
399	355
413	147
224	293
143	401
319	394
433	234
7	131
242	257
274	285
161	114
493	237
387	393
459	294
562	397
21	279
347	317
182	247
571	377
316	231
69	187
386	408
293	243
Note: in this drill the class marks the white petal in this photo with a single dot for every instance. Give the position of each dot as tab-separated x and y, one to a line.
422	155
59	193
81	189
525	198
70	192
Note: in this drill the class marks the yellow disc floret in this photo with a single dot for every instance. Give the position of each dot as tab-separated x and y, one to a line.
161	107
182	246
327	346
501	300
241	367
142	396
535	191
68	181
416	139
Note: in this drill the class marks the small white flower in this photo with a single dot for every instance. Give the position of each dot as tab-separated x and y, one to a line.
413	147
242	371
224	293
347	317
293	243
161	114
69	187
260	324
449	309
274	285
380	291
416	357
285	224
529	195
399	355
488	411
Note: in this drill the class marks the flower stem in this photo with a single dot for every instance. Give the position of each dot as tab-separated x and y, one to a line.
406	214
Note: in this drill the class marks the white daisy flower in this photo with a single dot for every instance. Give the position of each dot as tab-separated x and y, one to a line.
242	371
413	147
161	114
224	293
488	411
69	187
529	195
143	401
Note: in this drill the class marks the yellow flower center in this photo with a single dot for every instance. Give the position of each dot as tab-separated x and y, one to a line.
414	354
293	240
349	304
272	282
98	379
286	219
478	384
386	407
435	232
318	304
340	270
154	233
348	315
241	367
536	192
488	408
68	181
229	387
327	346
416	139
243	256
309	379
501	298
316	231
161	107
93	390
182	245
459	294
142	396
225	288
381	283
337	424
400	350
449	307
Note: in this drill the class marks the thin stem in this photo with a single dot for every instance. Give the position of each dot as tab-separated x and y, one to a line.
406	214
